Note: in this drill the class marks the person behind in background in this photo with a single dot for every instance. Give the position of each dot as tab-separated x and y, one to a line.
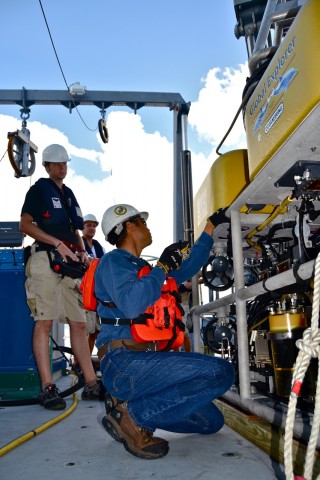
150	388
95	250
52	216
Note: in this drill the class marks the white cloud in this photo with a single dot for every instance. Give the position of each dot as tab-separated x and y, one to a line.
141	166
91	155
141	163
211	115
218	101
142	170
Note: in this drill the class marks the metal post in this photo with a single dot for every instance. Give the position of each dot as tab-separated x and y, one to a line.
265	26
178	231
187	194
196	332
243	352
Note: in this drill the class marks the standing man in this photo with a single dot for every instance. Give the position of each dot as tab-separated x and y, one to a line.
151	388
94	250
51	215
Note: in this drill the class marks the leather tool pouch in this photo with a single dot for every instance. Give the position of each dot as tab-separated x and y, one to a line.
66	269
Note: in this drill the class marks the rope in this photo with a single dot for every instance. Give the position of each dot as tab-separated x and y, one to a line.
61	70
3	155
308	348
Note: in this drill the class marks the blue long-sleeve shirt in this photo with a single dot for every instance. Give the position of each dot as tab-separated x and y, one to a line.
116	281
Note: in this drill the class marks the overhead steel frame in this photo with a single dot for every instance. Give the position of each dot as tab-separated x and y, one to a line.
182	221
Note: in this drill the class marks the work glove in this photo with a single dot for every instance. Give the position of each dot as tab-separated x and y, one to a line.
173	255
219	217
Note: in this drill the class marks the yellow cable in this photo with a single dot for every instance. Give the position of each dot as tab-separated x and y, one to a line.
18	441
277	211
257	325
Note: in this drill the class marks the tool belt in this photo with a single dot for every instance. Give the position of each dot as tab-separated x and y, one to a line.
117	322
45	247
127	343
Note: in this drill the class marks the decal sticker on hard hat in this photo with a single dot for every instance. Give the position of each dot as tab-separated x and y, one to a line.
120	210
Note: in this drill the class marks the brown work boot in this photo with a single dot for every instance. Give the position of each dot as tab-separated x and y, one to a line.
137	441
110	402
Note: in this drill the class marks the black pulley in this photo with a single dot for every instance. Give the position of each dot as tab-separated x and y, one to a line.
103	130
21	154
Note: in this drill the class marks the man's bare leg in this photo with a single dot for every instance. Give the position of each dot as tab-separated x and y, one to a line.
50	396
80	348
41	335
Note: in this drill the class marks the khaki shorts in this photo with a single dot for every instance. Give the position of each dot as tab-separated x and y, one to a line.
51	296
93	322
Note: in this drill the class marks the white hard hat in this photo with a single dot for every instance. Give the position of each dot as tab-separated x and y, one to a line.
55	154
90	218
115	216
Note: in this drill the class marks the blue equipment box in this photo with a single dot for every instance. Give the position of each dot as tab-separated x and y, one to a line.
19	376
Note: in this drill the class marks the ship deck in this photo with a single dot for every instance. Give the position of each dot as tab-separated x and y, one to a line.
78	447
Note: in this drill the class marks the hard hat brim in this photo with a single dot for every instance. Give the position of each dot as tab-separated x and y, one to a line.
144	215
91	221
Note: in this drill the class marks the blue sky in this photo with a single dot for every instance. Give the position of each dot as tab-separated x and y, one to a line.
169	46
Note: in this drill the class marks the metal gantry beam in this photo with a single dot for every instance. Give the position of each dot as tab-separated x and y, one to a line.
134	100
101	99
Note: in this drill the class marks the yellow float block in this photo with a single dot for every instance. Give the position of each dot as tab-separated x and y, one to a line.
227	177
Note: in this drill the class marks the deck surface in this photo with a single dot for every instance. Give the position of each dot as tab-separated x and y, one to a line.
78	447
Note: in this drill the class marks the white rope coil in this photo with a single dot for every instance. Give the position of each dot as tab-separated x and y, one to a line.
309	347
308	344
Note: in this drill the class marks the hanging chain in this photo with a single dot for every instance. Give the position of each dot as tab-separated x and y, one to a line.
24	115
103	113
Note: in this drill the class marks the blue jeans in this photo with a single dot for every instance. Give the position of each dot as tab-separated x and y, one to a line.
172	391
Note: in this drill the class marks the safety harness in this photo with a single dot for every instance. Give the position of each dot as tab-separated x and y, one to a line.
161	322
62	208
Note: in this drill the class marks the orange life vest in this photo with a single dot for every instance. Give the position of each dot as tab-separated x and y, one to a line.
87	287
164	323
161	322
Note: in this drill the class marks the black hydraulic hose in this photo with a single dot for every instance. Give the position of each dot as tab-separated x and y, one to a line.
303	252
279	226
